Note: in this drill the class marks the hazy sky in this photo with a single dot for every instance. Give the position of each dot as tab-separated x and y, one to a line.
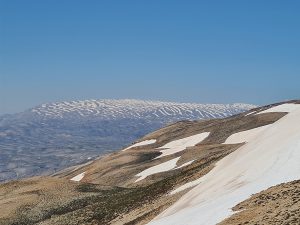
187	51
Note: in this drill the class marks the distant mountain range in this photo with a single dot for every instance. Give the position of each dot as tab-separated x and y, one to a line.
53	136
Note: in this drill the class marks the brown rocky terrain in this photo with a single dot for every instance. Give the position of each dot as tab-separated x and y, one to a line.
277	205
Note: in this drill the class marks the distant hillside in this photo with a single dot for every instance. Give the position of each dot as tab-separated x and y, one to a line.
242	169
53	136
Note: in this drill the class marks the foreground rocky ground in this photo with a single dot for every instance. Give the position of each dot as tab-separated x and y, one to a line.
277	205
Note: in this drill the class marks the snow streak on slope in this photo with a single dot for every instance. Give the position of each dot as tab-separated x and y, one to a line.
185	164
171	164
270	159
142	143
166	166
181	144
109	109
78	177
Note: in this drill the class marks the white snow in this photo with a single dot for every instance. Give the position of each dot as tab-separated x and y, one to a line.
78	177
142	143
250	113
245	136
166	166
186	186
270	159
181	144
287	107
185	164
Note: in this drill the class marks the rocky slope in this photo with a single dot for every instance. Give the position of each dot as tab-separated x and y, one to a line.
189	172
54	136
279	204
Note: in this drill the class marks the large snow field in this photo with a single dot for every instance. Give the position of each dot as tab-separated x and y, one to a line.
270	159
287	107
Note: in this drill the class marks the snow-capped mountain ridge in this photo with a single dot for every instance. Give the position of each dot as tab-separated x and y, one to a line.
131	108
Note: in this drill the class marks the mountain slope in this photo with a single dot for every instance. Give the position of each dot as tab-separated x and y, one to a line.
53	136
271	158
189	172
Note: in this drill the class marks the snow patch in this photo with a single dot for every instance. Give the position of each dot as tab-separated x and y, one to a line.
142	143
78	177
166	166
181	144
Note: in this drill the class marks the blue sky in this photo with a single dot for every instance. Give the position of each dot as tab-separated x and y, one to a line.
187	51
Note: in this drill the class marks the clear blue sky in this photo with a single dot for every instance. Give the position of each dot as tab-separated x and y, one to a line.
189	51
